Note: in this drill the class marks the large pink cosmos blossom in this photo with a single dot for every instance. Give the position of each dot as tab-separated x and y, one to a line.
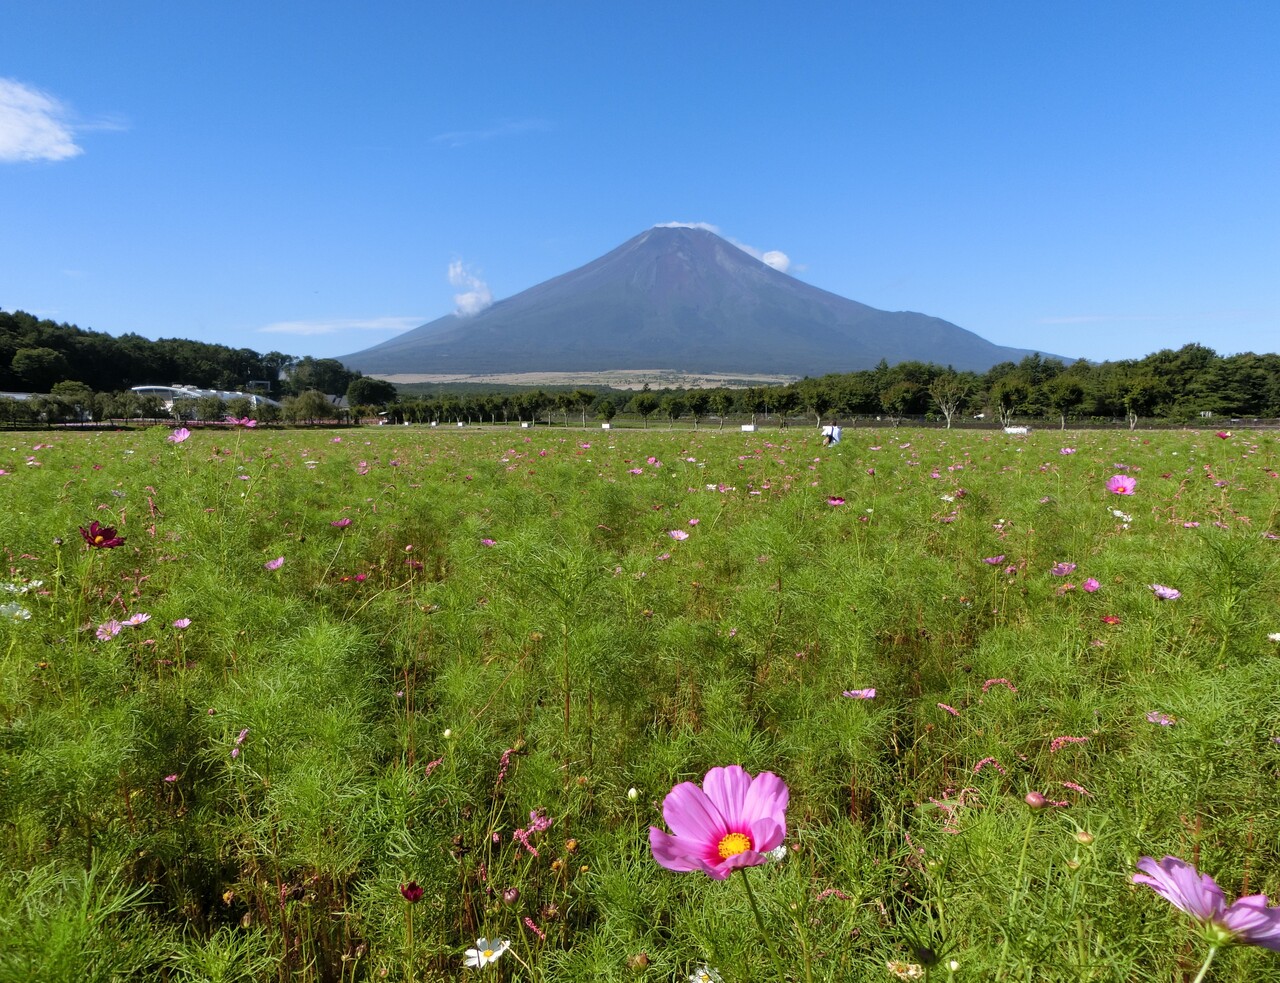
1121	484
732	821
1248	920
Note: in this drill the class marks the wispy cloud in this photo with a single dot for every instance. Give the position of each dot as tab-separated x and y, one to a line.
505	128
776	258
1210	316
33	125
476	297
339	325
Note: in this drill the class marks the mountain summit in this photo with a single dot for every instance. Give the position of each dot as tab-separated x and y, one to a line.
681	299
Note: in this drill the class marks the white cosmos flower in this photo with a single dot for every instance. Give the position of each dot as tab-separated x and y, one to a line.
705	974
486	952
14	612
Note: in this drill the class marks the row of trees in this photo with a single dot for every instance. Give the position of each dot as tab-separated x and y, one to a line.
1175	386
41	356
37	354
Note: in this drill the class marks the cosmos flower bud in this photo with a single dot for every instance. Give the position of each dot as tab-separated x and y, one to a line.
1035	800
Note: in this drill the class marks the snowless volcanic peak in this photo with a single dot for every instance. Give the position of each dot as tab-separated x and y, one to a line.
683	299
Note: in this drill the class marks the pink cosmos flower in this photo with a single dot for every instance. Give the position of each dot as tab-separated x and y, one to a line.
1248	920
171	778
1090	585
1067	450
860	694
137	619
179	435
182	623
1224	434
993	560
341	523
1162	719
678	534
1062	569
732	821
1121	484
108	630
1165	593
835	500
275	564
488	542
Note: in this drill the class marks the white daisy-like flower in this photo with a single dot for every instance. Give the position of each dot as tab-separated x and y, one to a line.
777	853
705	974
14	612
486	951
1123	517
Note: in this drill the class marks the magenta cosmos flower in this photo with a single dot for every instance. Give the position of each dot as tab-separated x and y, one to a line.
732	821
1248	920
101	537
1121	484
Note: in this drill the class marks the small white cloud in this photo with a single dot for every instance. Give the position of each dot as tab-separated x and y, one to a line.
779	260
33	125
775	258
339	325
476	297
506	128
705	226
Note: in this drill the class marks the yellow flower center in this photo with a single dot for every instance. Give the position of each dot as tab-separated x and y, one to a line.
488	953
97	539
733	844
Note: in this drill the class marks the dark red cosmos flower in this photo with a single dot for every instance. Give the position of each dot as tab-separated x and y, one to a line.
101	537
412	892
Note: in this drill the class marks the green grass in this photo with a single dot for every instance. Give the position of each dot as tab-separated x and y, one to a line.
506	593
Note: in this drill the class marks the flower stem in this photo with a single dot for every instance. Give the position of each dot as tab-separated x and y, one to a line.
768	939
1213	951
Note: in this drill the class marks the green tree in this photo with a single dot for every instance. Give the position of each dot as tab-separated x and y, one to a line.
697	400
644	403
673	406
39	369
583	398
949	392
363	391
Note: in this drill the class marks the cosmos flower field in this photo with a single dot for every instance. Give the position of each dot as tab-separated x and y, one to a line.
393	703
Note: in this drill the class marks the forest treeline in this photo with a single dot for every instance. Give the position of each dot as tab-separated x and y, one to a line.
1176	386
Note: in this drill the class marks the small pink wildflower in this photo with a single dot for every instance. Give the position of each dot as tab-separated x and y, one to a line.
542	936
835	500
171	778
860	694
182	623
999	682
341	523
138	619
1058	743
993	560
488	542
108	630
678	534
1162	719
1090	585
275	564
992	762
179	435
1062	569
1165	593
949	709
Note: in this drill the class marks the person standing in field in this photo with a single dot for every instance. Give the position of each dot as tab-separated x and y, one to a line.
830	434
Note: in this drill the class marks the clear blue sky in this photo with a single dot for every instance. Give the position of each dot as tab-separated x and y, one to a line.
1095	179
